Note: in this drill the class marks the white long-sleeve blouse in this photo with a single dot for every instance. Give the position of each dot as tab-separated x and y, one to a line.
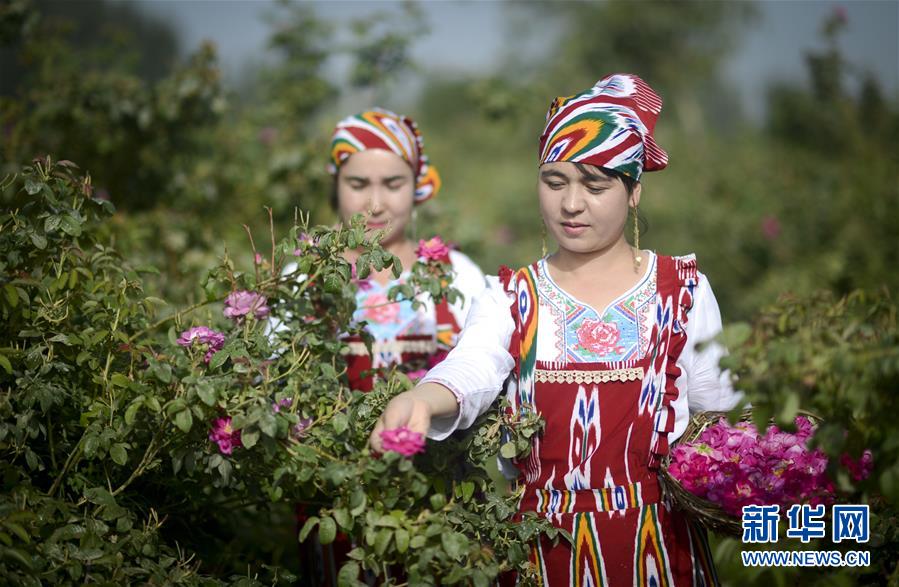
476	369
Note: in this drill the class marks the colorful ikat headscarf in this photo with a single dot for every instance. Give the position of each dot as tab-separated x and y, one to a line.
382	129
610	125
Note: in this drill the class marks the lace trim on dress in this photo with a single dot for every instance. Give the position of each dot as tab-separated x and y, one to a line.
596	376
394	347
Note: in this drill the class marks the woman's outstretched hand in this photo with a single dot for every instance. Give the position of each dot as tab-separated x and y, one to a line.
414	410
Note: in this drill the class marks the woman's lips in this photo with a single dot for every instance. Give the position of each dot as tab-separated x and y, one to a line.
376	225
574	228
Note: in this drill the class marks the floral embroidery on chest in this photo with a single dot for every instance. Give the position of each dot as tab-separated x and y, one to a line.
581	334
386	319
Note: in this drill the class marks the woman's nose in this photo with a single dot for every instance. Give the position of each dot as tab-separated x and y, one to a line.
571	203
375	201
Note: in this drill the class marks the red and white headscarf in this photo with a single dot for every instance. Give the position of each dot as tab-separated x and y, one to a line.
382	129
610	125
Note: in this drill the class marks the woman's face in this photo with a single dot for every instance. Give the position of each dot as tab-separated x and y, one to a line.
380	185
583	213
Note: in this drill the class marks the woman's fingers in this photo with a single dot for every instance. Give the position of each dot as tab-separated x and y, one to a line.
401	411
374	441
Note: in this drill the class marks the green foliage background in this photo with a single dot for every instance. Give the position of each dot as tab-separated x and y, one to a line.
805	204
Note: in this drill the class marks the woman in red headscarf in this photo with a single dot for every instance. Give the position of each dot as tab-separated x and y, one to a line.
600	339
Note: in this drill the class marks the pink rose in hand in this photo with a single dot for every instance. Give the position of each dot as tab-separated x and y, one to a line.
598	337
433	250
402	440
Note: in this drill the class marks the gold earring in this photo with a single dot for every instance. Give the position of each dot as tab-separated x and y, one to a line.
638	257
414	224
543	239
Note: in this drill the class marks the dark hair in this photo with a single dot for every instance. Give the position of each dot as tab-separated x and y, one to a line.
335	205
587	173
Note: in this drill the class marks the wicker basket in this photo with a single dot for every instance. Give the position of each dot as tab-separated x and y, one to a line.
708	513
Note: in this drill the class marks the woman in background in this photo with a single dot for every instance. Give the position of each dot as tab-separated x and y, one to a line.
380	170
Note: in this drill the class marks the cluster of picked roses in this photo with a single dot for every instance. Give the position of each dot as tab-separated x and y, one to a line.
735	466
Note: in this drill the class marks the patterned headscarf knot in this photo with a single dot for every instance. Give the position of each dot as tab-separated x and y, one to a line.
383	129
610	125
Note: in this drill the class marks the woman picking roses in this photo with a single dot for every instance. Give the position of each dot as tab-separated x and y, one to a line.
600	339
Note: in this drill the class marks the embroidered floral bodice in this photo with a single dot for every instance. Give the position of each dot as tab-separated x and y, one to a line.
581	333
388	320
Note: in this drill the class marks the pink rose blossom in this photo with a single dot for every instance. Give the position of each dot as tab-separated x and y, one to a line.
241	303
268	135
203	336
224	435
417	374
299	429
770	227
433	250
402	440
859	469
282	404
598	337
735	466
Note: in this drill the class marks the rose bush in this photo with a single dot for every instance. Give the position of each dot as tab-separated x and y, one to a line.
132	434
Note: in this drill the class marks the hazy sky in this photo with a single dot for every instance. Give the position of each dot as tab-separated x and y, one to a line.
469	36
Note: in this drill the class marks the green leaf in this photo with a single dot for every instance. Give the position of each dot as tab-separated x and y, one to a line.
467	490
7	366
437	501
51	223
70	226
119	380
340	423
11	295
218	359
249	438
358	501
327	530
402	540
163	372
508	450
131	412
311	523
118	453
38	240
790	408
382	540
343	518
18	531
349	575
454	544
207	393
184	420
32	186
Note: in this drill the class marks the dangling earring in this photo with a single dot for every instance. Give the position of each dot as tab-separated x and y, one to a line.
543	239
414	224
638	257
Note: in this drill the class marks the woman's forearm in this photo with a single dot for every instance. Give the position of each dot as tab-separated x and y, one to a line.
441	401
